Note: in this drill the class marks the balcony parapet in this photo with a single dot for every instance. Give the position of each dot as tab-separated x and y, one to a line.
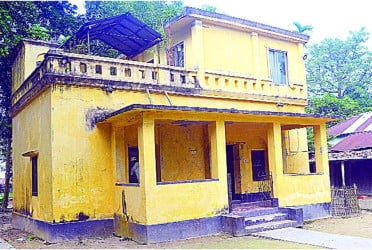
83	68
241	84
110	74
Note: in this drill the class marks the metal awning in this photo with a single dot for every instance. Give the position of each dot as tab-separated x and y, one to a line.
124	33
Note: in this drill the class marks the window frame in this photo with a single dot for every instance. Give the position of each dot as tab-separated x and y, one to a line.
132	151
34	175
175	57
275	67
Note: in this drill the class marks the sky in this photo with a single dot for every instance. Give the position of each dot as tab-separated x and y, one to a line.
329	18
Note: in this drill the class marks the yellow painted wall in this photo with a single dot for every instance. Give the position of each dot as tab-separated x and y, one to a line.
298	189
32	132
184	152
83	172
295	151
227	49
249	137
25	63
241	52
184	201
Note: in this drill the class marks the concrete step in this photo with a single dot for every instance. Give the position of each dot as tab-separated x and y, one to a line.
269	226
265	218
254	211
264	203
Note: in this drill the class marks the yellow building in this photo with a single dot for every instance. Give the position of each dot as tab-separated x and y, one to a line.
205	135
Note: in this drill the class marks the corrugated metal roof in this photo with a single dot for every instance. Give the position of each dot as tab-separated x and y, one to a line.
354	141
356	124
124	32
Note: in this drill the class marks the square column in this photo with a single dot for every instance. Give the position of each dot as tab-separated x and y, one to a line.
218	155
146	151
198	50
274	143
321	149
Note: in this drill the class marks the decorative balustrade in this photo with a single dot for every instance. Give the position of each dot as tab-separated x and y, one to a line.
241	83
59	63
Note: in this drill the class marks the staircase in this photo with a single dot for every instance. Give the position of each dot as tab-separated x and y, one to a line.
251	217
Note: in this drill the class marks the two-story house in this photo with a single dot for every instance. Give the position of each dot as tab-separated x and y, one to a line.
205	135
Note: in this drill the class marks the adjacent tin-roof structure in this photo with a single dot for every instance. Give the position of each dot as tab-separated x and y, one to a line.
124	33
354	133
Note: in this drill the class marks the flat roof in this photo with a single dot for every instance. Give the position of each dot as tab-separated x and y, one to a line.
107	116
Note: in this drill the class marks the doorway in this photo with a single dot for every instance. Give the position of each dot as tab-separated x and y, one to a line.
233	170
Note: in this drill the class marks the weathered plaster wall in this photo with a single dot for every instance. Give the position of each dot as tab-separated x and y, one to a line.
32	132
25	62
184	152
249	137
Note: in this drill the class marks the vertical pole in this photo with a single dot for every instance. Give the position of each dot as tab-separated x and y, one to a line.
88	39
343	173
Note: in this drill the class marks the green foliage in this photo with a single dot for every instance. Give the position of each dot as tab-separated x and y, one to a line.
208	7
329	104
341	67
303	29
38	33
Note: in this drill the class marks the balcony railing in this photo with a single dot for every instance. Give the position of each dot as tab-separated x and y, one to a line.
124	72
248	84
59	63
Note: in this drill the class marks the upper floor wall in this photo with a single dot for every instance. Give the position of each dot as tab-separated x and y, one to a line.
206	54
212	42
27	56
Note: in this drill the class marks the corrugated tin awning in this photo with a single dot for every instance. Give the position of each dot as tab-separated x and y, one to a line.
124	33
354	142
356	124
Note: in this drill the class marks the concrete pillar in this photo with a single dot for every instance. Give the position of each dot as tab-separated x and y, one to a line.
321	148
146	150
274	143
218	155
255	55
198	50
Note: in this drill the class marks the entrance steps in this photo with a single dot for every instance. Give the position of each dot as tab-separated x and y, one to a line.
251	217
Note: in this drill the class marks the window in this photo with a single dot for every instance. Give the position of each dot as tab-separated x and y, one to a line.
133	164
113	71
83	68
176	56
98	69
278	66
258	165
34	175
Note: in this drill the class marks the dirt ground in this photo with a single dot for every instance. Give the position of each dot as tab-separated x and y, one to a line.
355	226
360	226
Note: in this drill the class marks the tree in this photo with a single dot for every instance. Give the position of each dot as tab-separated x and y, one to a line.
329	104
303	29
23	19
341	67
